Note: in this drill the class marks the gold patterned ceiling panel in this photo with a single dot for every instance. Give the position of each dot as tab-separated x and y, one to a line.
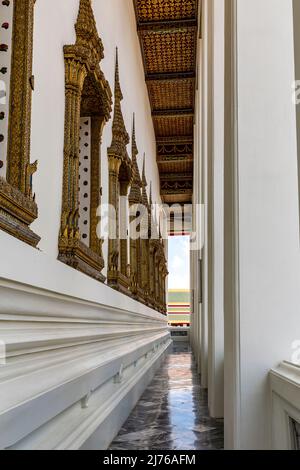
171	94
173	126
168	31
170	51
161	10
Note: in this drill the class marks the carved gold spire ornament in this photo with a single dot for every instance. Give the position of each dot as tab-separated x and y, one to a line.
87	94
135	202
120	174
157	263
136	185
145	236
17	202
144	184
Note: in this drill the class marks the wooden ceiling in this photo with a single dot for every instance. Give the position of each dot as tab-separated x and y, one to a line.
168	35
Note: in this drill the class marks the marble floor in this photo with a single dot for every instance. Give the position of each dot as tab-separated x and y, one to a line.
172	414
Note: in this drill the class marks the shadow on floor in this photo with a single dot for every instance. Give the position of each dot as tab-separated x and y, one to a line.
173	413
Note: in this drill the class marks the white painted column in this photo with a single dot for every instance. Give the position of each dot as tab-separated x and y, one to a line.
204	190
296	10
215	207
196	239
262	257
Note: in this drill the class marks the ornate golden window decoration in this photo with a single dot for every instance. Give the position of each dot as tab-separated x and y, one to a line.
160	274
135	202
120	175
17	203
163	273
158	271
87	94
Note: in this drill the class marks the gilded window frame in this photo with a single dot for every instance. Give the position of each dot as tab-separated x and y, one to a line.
18	208
82	60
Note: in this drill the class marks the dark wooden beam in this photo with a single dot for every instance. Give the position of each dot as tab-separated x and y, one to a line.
176	176
186	139
163	160
170	76
173	112
167	25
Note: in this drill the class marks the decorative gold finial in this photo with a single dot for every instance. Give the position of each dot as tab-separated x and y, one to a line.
144	183
120	137
86	29
134	145
135	191
118	91
150	194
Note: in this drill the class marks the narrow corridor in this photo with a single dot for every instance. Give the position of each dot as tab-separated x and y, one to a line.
172	414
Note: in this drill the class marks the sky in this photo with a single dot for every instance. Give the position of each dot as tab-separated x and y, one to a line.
179	263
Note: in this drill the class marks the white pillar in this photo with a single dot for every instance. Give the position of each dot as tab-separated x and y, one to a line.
296	9
262	257
204	126
196	239
215	207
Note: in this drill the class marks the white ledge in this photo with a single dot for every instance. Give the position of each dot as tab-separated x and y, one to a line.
28	267
285	401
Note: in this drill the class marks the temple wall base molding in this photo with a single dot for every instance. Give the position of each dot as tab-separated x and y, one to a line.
76	362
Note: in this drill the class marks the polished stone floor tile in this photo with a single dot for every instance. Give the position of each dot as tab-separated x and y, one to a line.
173	413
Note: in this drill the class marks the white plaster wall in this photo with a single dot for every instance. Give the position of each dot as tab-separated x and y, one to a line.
216	209
203	50
196	243
194	251
54	27
296	9
267	207
208	320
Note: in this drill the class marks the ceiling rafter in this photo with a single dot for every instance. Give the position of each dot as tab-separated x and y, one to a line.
172	112
168	37
170	76
167	26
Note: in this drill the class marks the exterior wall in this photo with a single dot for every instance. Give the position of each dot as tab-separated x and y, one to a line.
72	337
215	204
262	263
208	318
204	148
195	255
195	277
261	212
296	10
